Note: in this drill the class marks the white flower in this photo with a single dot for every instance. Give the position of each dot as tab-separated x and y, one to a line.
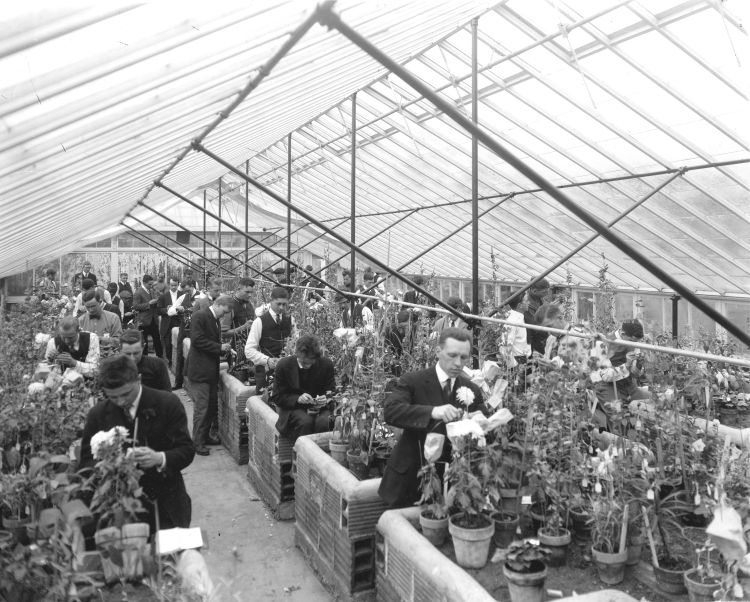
598	487
102	437
115	434
650	494
698	446
41	338
36	388
465	396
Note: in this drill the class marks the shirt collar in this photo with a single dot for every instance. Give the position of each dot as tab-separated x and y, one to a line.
213	313
442	376
274	315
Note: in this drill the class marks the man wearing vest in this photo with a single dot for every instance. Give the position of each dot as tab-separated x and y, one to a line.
73	349
268	335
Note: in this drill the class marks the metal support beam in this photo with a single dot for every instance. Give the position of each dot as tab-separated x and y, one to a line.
205	269
218	227
372	259
288	211
204	257
587	242
474	192
675	318
353	207
169	219
162	249
330	19
247	218
233	227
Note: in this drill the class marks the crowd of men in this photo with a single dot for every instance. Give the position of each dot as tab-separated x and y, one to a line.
138	388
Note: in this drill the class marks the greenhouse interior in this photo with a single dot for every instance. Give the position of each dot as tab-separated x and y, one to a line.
360	300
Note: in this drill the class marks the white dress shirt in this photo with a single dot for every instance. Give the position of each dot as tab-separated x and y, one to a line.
443	377
87	368
252	347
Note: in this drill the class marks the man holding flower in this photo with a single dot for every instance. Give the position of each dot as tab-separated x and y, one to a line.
157	424
422	403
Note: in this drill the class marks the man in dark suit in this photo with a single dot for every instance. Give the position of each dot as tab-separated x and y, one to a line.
84	274
152	370
202	370
169	307
423	402
144	302
157	422
299	380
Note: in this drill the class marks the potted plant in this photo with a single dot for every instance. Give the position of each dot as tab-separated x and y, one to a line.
608	539
16	495
504	512
703	581
525	570
120	536
434	515
470	527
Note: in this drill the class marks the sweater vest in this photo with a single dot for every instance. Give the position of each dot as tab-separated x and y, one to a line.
274	335
84	340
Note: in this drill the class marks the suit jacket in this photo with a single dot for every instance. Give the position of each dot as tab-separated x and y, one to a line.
409	406
286	386
79	278
162	426
205	348
167	322
146	311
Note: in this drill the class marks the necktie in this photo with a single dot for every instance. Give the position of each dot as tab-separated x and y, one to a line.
447	389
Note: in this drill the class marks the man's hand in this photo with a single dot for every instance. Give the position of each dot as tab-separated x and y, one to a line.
146	457
305	398
272	361
226	347
53	354
66	360
153	301
446	413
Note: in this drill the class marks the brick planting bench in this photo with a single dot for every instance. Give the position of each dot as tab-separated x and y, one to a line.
336	516
411	569
269	466
233	396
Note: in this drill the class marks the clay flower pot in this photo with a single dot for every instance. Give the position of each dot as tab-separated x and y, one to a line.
556	541
434	529
338	451
610	566
472	545
506	524
701	589
527	586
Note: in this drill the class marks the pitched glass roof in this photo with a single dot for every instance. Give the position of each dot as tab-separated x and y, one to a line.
607	99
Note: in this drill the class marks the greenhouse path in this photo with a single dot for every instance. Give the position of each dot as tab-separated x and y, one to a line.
250	555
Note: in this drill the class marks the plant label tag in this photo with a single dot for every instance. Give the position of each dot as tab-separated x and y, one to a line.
526	500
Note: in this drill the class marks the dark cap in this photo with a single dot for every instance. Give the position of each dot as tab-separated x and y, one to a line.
632	328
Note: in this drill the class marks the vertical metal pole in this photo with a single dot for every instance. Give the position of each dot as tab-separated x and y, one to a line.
247	219
675	315
353	188
288	209
474	190
218	223
205	263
